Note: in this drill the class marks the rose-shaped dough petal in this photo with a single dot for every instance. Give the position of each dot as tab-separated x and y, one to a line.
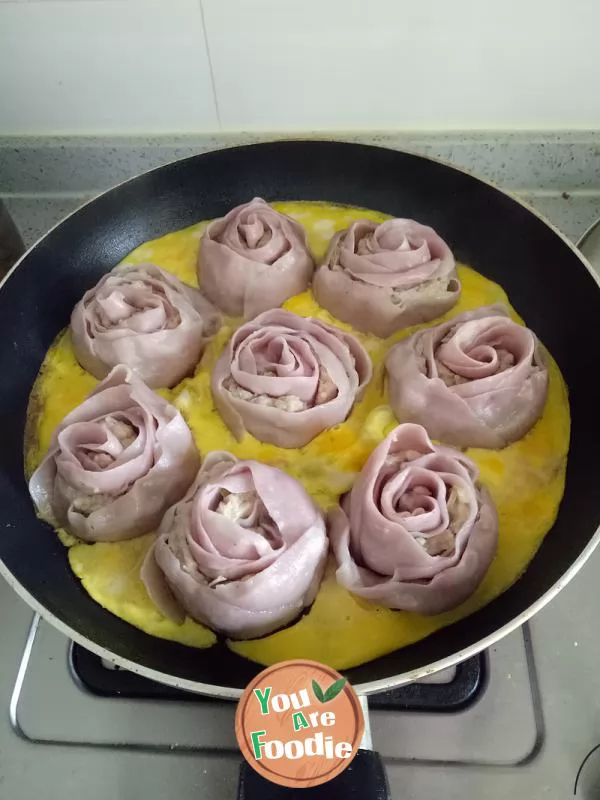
416	532
145	318
381	278
478	380
285	378
243	552
115	463
253	259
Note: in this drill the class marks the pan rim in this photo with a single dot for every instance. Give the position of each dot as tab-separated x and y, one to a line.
368	687
507	192
586	235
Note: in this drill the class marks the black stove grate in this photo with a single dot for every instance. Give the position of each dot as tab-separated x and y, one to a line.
467	684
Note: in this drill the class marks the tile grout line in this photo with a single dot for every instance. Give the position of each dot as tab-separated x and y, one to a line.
210	66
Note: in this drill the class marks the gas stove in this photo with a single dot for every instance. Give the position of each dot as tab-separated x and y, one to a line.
427	721
64	695
518	720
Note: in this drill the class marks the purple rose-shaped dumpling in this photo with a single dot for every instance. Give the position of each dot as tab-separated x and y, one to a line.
243	552
285	378
145	318
381	278
478	380
417	532
115	463
253	259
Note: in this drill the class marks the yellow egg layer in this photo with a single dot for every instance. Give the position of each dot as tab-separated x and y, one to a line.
526	479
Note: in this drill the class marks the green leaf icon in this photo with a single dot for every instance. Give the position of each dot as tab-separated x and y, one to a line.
330	693
334	690
318	691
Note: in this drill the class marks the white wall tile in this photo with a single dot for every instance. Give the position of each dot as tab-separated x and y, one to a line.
123	66
429	64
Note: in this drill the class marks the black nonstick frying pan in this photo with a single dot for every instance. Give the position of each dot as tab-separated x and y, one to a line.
548	281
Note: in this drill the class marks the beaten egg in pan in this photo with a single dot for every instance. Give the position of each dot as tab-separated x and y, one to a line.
342	629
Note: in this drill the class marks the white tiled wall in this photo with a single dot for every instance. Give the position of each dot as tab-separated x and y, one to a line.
128	66
405	63
85	66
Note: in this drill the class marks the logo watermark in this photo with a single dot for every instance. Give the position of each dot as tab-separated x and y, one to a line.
299	723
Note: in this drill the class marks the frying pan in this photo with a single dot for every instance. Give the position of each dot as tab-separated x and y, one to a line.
548	281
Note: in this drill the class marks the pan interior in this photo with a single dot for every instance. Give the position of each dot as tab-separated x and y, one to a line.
545	279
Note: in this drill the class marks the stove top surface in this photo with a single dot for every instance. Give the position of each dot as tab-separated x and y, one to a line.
66	696
530	718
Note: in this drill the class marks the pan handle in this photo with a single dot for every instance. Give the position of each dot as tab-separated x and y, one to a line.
364	779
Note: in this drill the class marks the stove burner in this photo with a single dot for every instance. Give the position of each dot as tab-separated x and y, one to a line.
454	691
50	705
